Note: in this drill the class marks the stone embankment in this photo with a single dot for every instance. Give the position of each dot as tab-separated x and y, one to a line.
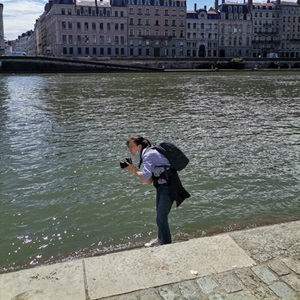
259	263
41	64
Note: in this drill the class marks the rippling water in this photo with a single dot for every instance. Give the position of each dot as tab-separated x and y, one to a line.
64	195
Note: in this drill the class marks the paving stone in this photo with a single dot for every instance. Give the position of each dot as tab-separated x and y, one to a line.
244	295
216	297
283	291
248	278
264	293
264	274
293	281
254	285
168	294
207	284
279	268
230	282
293	263
189	290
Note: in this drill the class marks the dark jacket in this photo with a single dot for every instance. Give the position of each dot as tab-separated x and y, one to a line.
177	192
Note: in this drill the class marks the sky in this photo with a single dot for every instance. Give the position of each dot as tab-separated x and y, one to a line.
19	15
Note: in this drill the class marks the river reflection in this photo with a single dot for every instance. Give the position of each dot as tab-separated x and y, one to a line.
63	193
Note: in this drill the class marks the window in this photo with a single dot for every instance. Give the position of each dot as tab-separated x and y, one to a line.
86	25
78	25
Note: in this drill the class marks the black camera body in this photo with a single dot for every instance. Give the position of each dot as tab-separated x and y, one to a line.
124	164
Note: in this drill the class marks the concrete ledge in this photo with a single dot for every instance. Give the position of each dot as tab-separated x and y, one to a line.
60	281
145	269
128	271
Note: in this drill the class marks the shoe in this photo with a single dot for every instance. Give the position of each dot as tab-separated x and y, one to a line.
152	243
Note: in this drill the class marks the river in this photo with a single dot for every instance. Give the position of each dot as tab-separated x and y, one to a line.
63	194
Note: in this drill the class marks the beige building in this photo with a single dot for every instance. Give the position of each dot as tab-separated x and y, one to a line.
164	28
2	42
156	28
147	28
82	28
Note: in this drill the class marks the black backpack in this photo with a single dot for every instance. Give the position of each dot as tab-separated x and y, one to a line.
176	157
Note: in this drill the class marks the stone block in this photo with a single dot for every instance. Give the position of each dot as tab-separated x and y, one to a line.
283	291
264	274
207	284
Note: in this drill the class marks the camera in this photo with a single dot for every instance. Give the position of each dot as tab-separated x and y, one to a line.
124	164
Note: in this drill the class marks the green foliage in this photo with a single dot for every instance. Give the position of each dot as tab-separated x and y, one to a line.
238	60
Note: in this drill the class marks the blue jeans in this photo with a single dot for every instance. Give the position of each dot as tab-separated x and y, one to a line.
163	207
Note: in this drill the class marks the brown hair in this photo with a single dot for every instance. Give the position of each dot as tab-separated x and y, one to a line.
139	140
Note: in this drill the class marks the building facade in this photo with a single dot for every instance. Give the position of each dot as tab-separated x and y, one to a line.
202	32
266	36
235	30
290	30
2	42
164	28
156	28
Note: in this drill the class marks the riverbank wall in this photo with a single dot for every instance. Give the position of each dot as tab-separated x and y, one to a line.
36	64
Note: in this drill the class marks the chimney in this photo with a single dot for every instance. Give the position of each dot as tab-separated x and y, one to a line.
216	6
195	7
250	2
205	7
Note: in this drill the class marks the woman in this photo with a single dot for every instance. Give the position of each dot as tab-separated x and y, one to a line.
153	165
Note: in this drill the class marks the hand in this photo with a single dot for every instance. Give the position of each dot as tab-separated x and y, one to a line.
131	168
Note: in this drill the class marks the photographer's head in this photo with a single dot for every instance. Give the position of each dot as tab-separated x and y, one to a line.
136	144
